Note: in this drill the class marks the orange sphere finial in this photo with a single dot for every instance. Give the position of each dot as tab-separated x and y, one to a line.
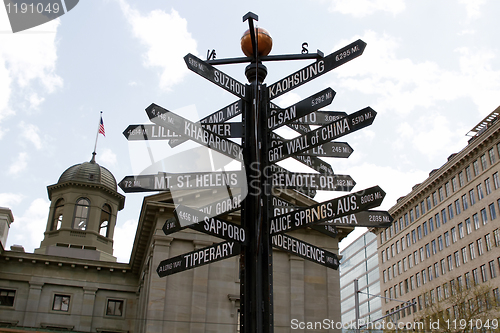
264	42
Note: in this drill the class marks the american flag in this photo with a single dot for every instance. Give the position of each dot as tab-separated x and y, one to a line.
101	127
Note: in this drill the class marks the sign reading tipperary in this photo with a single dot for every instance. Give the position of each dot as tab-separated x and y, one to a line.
369	218
215	76
194	131
326	133
316	69
313	181
198	258
328	210
182	181
305	250
220	116
281	117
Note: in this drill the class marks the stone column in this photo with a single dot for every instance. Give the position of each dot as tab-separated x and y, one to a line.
297	298
31	313
88	309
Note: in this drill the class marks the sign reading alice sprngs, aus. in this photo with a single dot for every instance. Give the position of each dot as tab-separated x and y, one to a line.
26	14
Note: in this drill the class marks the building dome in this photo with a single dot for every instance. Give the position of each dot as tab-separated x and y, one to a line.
89	172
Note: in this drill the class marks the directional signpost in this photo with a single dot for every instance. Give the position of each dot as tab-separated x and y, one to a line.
265	219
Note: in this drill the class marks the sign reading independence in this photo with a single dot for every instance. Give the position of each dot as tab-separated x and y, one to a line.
198	258
316	69
305	250
328	210
215	76
194	131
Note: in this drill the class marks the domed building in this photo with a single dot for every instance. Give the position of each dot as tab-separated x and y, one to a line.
82	217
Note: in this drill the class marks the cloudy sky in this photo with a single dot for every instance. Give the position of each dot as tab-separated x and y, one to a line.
431	70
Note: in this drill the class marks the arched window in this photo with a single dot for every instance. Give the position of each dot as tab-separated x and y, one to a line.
58	215
105	220
82	208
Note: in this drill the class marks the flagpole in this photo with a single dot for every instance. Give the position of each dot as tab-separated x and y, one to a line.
96	137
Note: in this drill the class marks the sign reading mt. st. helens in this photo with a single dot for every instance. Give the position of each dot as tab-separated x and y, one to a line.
194	131
316	69
328	210
326	133
280	117
182	181
216	76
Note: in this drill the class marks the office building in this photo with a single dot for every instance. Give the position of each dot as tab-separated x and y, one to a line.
360	261
446	232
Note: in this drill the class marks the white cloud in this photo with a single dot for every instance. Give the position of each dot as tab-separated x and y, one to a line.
124	240
27	58
362	8
473	8
28	229
9	200
401	85
107	157
19	164
167	40
30	132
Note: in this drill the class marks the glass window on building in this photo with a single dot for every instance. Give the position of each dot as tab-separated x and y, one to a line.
480	194
475	276
443	266
450	263
468	174
443	216
465	204
438	220
440	243
496	180
82	208
484	276
447	189
450	211
461	232
464	255
484	217
472	251
441	196
475	218
454	184
61	303
434	198
487	186
472	197
483	162
468	225
453	235
7	297
475	166
457	207
493	271
487	242
431	224
496	236
422	207
491	154
480	249
493	213
114	308
447	238
457	259
461	180
426	231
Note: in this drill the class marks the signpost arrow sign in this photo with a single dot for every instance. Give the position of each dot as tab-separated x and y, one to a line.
305	250
328	230
330	149
198	258
281	117
220	116
328	210
311	161
194	131
205	223
313	181
196	180
148	132
156	132
215	76
320	117
369	218
326	133
316	69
